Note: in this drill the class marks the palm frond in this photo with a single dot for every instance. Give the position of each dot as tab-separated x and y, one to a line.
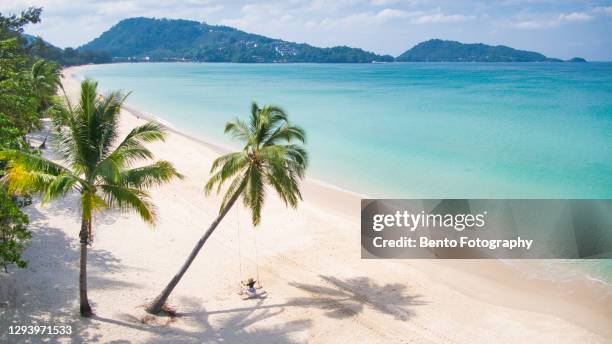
236	187
108	109
60	186
238	129
284	134
225	167
32	161
148	176
91	203
128	199
254	194
27	172
132	148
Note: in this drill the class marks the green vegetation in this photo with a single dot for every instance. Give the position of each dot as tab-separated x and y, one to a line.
169	40
95	165
147	39
65	57
436	50
27	86
13	232
269	156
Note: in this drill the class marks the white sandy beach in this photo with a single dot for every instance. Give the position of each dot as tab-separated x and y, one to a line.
318	288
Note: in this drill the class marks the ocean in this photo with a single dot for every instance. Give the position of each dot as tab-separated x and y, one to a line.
422	130
408	130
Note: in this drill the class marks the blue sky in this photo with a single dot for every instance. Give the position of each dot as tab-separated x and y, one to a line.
562	28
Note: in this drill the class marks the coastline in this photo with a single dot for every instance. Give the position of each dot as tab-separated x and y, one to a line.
311	186
309	261
588	294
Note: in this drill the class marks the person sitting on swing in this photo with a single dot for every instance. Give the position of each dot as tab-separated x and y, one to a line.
250	284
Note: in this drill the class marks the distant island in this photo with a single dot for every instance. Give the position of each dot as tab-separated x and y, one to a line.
437	50
166	40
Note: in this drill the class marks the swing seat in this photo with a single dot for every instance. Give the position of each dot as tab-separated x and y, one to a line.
258	295
256	292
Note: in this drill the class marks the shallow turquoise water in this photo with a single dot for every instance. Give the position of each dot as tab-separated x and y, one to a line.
541	130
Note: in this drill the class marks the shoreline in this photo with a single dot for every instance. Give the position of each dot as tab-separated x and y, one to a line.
496	284
312	185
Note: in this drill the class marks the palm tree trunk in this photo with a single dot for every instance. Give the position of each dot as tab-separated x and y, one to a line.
157	304
85	308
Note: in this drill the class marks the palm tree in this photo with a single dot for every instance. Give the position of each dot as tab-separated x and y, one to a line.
44	77
268	156
95	165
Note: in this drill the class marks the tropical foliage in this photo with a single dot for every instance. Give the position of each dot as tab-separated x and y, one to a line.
272	155
95	164
23	100
66	57
13	232
44	77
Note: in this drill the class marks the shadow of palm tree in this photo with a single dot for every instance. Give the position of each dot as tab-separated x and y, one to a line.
347	298
236	328
344	298
46	292
339	298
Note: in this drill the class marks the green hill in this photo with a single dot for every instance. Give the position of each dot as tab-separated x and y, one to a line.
36	46
167	40
436	50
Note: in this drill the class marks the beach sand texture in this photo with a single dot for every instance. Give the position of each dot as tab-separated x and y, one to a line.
318	289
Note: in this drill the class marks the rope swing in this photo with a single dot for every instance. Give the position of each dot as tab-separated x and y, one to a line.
248	288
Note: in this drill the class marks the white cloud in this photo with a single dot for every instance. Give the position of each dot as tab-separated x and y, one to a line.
286	18
603	9
359	19
442	18
562	18
330	5
574	17
531	24
383	2
255	14
390	13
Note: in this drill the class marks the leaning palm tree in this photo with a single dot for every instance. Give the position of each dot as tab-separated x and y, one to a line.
269	156
95	164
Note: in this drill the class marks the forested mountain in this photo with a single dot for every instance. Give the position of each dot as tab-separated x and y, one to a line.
166	39
436	50
36	46
149	39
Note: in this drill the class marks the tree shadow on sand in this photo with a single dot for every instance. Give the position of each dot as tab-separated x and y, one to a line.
238	327
338	298
46	292
347	298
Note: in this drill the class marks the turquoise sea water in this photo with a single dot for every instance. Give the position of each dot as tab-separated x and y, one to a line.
541	130
430	130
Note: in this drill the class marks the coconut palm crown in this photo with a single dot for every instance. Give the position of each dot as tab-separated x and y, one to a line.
269	156
94	163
